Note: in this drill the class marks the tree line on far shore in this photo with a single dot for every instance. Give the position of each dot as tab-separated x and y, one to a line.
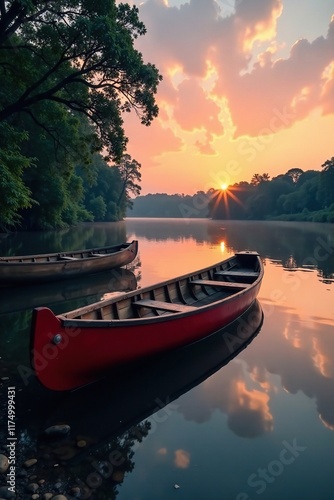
296	195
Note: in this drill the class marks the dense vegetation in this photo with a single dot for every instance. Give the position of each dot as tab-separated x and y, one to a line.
68	71
295	195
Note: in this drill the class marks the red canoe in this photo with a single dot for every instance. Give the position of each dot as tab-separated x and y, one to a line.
78	347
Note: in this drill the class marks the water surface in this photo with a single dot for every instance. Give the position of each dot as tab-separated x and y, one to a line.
261	426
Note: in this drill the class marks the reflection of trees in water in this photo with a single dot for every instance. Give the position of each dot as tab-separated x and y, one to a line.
63	461
306	245
99	470
326	274
74	238
14	338
291	263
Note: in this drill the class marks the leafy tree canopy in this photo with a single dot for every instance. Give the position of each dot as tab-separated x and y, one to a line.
68	72
80	54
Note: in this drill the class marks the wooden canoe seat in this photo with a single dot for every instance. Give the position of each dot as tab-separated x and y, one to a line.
220	284
66	257
97	254
237	274
164	306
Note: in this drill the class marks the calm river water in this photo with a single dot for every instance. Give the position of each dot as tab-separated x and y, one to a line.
202	423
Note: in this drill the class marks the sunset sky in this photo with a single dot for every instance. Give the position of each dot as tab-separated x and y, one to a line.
248	87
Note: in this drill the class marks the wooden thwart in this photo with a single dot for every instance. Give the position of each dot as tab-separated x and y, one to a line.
164	306
242	274
66	257
220	284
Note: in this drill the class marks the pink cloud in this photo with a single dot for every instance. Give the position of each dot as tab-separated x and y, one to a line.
147	142
196	33
193	109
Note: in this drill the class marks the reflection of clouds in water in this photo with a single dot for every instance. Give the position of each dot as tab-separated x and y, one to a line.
247	410
293	349
255	425
326	424
321	359
302	356
182	459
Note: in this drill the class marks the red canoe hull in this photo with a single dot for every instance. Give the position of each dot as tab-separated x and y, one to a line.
88	348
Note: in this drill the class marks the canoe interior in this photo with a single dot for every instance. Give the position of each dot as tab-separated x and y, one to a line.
183	295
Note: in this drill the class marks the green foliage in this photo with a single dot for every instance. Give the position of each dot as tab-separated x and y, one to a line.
130	175
326	183
104	191
82	56
14	194
176	205
293	196
68	72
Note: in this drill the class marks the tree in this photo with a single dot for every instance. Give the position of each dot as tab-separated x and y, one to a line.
68	72
82	56
326	187
14	194
259	178
130	175
294	173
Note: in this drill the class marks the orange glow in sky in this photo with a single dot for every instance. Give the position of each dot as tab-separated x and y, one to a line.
247	88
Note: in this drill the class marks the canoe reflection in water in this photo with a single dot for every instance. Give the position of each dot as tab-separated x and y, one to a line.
86	289
108	417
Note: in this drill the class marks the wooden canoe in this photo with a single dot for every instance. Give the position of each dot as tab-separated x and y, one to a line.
78	347
55	266
126	397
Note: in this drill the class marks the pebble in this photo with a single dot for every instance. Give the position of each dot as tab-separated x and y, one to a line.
3	379
59	497
6	493
82	443
30	462
75	492
47	496
34	497
57	430
4	464
32	487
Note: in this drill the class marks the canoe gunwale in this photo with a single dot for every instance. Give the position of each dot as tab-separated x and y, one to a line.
12	261
71	319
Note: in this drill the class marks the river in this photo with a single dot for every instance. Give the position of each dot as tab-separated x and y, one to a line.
199	424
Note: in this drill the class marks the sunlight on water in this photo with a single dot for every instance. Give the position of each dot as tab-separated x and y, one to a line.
262	426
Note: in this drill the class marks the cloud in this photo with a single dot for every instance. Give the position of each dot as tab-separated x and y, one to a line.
237	86
242	49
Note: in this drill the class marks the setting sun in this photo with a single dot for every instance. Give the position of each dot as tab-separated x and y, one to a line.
223	187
